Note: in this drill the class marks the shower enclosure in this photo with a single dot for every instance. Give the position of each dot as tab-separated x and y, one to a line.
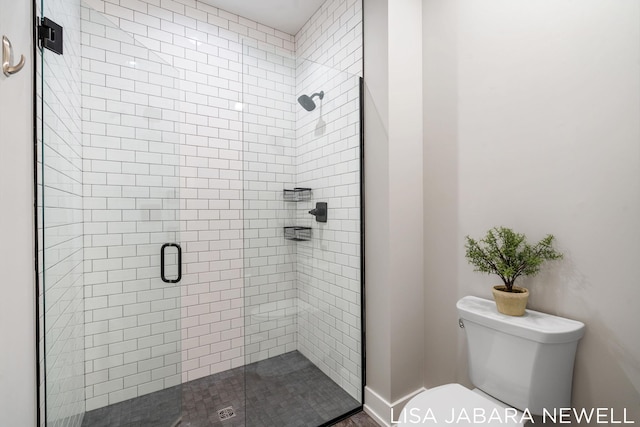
200	217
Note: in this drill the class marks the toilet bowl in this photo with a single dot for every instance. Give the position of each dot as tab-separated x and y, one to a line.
455	404
521	367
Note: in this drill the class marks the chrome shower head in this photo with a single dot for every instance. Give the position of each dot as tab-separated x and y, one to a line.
307	101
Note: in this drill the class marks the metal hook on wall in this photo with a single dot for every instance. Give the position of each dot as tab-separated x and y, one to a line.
7	59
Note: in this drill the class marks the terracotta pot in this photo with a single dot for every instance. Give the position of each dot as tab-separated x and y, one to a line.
511	303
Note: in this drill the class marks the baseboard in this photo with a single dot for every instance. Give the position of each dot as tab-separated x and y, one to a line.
375	416
381	410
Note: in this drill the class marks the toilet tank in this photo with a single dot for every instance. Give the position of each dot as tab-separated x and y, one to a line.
525	362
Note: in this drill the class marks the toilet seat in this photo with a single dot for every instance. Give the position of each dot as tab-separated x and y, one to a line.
454	404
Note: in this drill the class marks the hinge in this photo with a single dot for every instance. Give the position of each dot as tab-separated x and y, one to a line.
50	35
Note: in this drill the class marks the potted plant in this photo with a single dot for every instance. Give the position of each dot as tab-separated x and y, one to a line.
507	254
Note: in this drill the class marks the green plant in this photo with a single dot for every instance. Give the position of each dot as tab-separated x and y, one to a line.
507	254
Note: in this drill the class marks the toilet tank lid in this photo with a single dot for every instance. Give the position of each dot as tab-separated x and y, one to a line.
535	326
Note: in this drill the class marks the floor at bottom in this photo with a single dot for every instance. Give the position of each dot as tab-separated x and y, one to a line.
282	391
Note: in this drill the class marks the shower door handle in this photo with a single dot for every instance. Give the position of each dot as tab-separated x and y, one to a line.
165	246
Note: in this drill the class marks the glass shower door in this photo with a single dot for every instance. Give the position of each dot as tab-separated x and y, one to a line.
302	240
110	259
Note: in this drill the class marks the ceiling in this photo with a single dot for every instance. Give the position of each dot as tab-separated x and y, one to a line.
285	15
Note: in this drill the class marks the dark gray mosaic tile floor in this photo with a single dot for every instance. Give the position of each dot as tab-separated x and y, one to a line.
283	391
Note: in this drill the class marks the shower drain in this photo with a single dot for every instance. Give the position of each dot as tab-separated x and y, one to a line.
226	413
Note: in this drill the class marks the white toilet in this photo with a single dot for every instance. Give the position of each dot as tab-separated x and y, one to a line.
520	366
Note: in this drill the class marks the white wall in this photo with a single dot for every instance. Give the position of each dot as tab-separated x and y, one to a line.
394	215
376	189
440	28
269	166
17	305
405	207
534	109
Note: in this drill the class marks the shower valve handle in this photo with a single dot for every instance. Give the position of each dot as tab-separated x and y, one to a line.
320	212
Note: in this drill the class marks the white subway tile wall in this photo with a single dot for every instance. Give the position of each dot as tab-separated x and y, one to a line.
269	167
132	118
222	89
329	52
205	47
60	229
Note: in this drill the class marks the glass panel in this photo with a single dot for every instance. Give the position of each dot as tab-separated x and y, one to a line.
328	267
113	122
61	217
302	285
110	201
